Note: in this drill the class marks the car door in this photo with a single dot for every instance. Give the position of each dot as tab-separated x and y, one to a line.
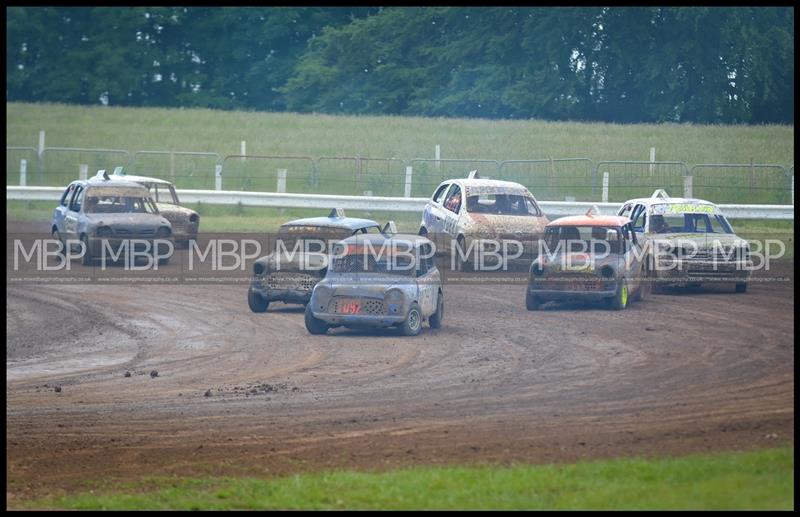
428	280
433	216
60	211
634	256
73	213
452	206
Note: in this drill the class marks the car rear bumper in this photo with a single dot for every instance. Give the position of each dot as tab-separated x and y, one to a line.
300	296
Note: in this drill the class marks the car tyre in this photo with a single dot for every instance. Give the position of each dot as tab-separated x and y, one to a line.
413	322
62	247
645	286
531	302
461	264
620	299
86	259
741	287
436	318
256	302
315	325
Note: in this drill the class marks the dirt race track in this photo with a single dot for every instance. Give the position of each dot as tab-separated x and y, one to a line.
683	372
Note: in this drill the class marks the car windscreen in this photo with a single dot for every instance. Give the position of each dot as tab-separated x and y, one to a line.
309	237
501	203
583	239
118	201
366	262
687	218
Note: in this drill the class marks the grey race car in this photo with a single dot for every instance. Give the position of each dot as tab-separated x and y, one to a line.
105	214
379	281
690	241
185	221
291	271
589	258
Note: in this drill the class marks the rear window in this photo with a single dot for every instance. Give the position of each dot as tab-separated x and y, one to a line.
502	204
292	235
583	239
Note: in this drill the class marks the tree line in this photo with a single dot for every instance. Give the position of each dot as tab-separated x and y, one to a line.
619	64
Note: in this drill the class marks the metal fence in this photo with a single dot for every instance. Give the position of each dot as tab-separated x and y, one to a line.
742	183
191	170
268	173
21	162
552	179
428	173
358	175
621	180
60	165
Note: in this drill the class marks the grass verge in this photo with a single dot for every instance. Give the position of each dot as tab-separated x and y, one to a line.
284	141
761	479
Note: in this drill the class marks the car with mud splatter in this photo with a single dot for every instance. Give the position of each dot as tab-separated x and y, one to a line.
589	258
110	215
185	221
690	242
299	258
466	216
379	281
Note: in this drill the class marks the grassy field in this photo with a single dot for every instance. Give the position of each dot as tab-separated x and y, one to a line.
753	480
405	138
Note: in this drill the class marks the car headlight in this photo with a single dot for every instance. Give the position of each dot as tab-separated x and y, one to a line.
163	232
259	268
104	232
194	218
321	296
394	296
607	272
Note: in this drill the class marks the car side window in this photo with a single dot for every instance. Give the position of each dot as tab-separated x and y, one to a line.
437	196
453	200
65	196
626	210
631	234
425	263
532	207
639	218
174	195
367	229
422	264
77	198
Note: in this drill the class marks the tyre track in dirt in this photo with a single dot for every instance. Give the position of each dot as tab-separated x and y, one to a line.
681	372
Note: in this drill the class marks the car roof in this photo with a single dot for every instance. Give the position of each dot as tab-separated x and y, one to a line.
100	182
351	223
474	180
380	239
590	220
336	219
143	179
501	184
660	196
